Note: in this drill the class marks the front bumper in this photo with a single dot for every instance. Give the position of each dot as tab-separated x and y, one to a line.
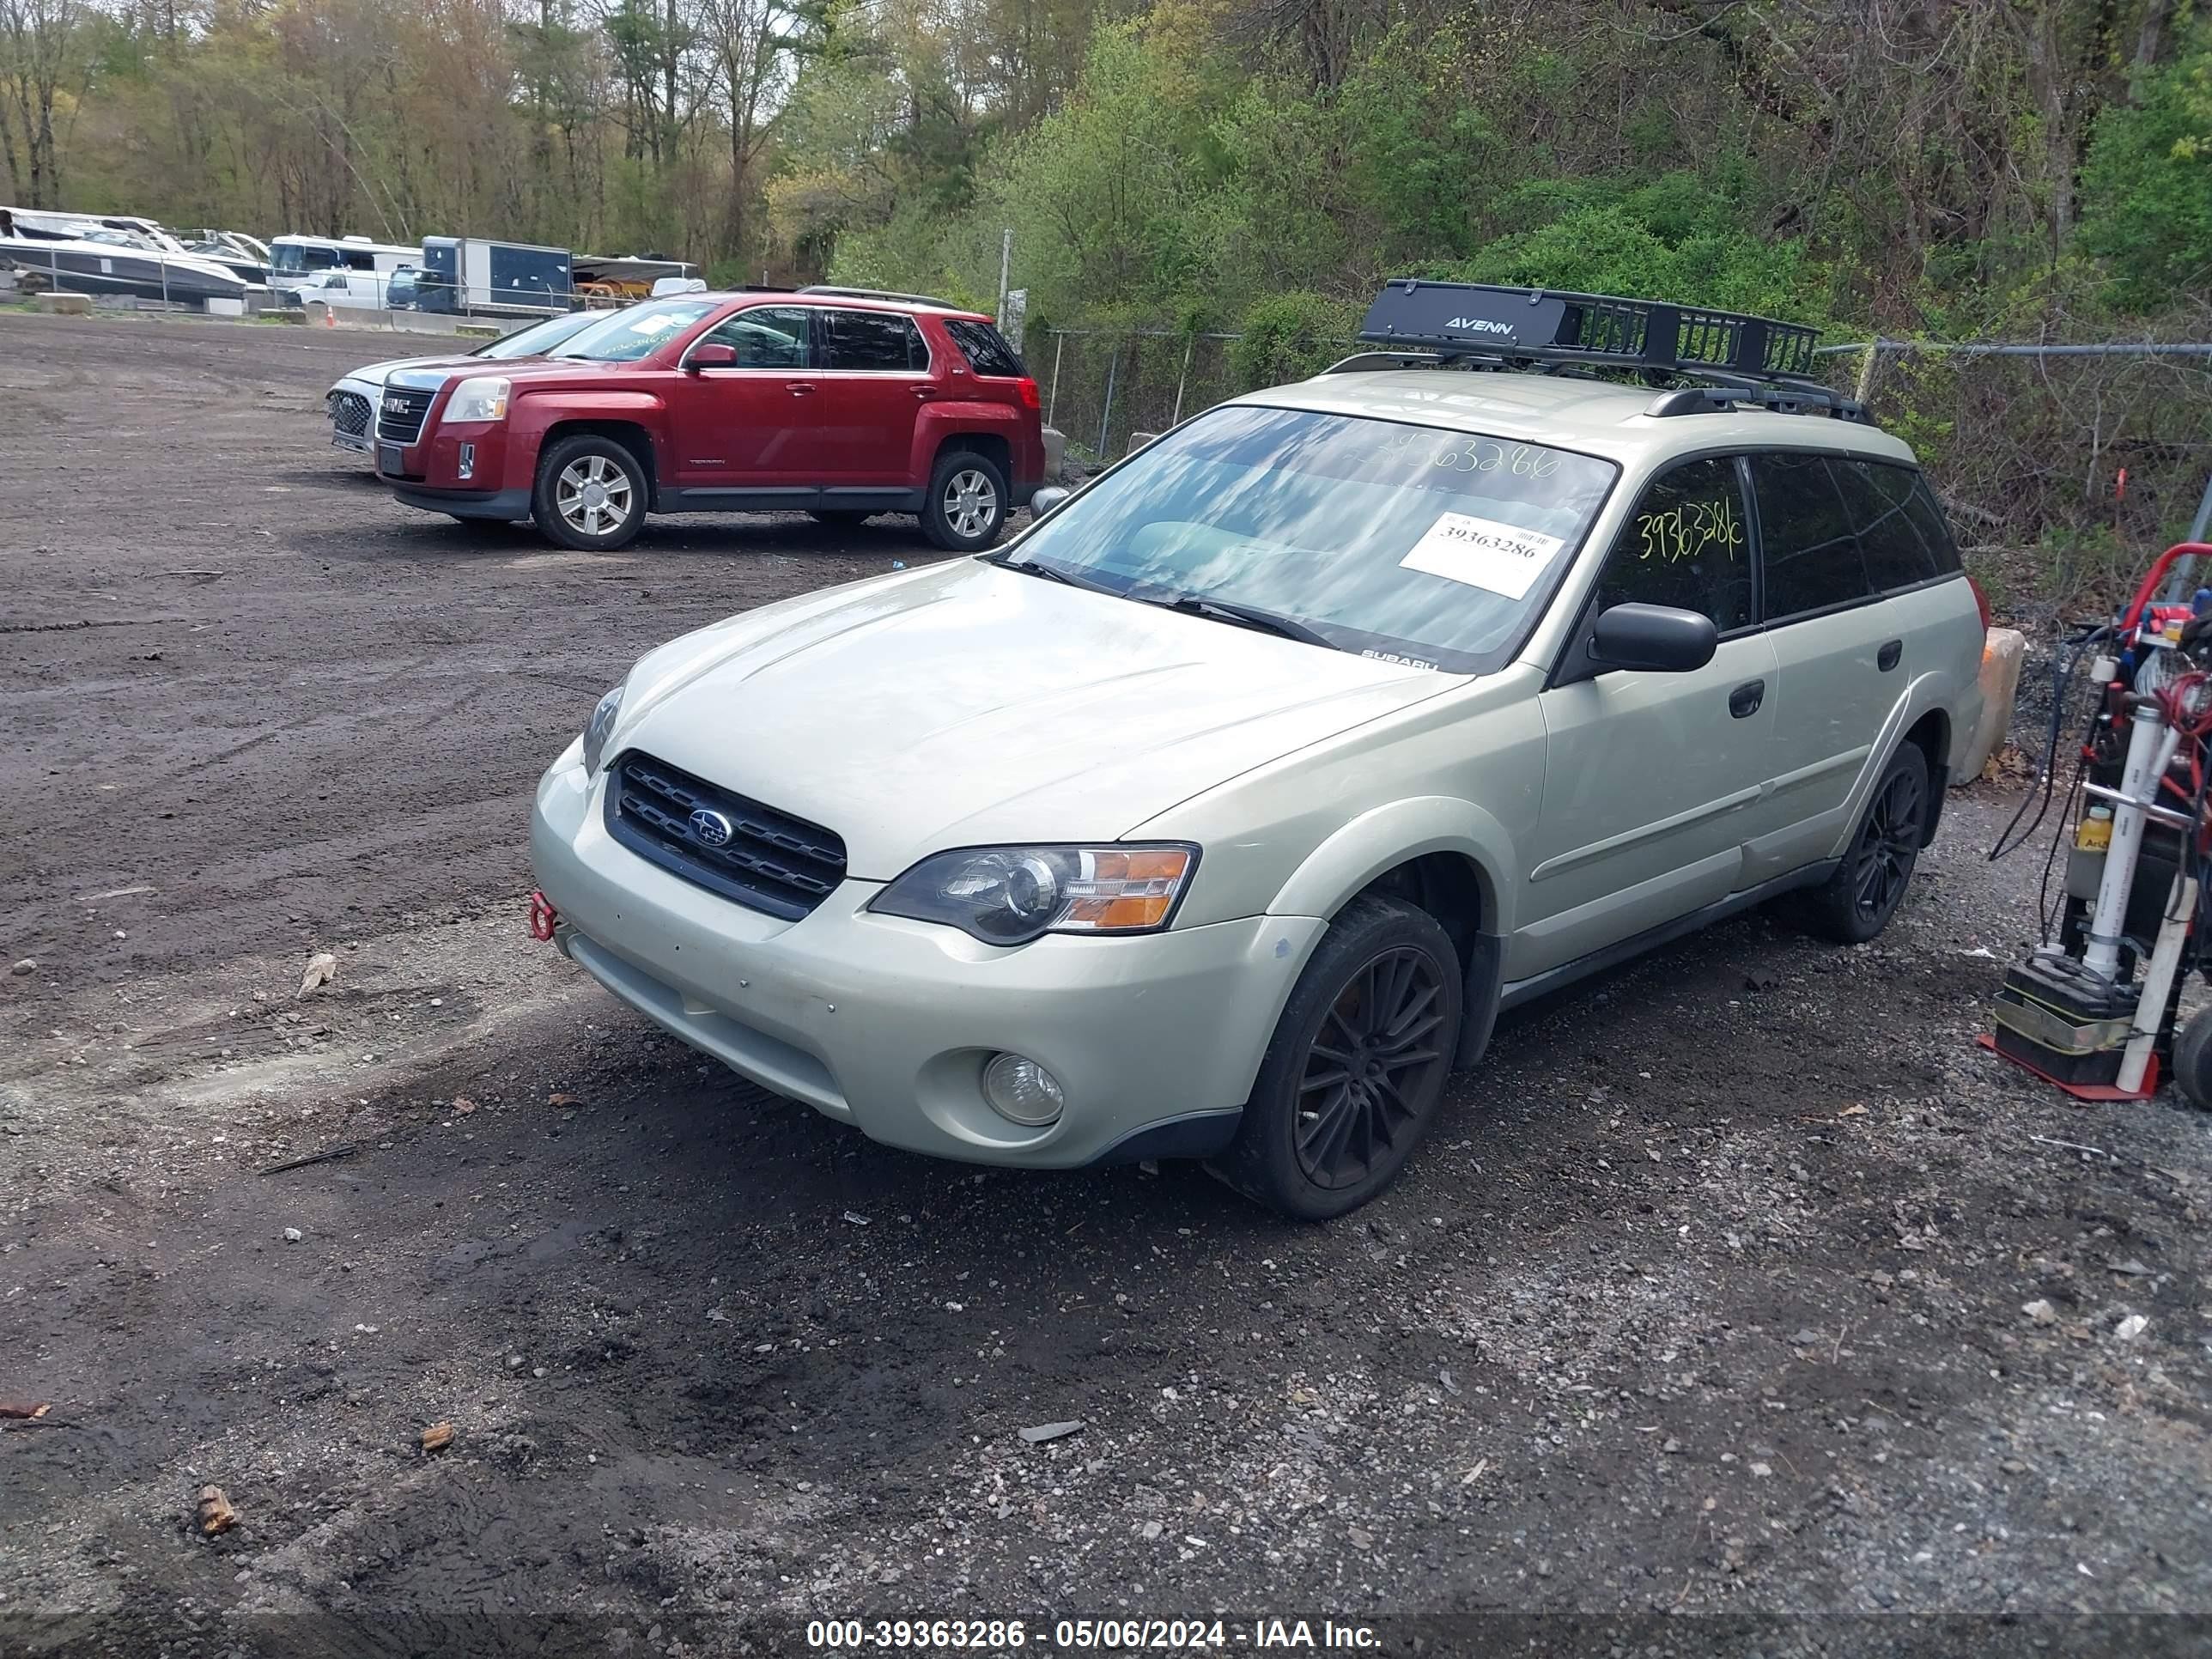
886	1024
506	505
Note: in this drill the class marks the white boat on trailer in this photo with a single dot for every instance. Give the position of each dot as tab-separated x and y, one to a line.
77	255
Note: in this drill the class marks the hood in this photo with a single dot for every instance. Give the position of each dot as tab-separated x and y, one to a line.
378	373
430	374
964	705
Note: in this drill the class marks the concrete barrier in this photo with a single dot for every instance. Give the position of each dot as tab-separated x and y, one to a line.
64	305
1138	440
2003	651
1055	455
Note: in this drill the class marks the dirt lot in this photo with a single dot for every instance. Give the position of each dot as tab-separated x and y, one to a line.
1702	1318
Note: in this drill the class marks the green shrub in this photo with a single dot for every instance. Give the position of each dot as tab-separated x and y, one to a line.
1292	336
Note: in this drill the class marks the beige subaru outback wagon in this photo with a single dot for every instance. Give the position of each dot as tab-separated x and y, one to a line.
1219	813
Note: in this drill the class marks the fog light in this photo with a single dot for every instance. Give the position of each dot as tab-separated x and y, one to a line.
468	460
1021	1091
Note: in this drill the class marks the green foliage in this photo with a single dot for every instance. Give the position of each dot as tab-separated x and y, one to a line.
2146	187
1670	239
1291	336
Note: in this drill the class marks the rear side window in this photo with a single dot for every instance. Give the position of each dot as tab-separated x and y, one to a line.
1809	547
1684	546
985	347
1927	515
1897	555
880	342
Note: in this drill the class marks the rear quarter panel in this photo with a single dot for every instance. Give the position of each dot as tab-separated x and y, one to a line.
945	421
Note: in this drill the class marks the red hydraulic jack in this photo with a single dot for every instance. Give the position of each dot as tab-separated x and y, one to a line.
2093	1009
544	918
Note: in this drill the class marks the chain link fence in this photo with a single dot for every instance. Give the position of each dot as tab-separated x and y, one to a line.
1103	385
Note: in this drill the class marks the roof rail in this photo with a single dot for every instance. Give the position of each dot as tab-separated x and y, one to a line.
1722	396
881	294
1360	362
1732	357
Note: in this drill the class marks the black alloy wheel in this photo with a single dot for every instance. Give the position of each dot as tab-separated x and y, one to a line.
1888	847
1355	1072
1856	903
1375	1056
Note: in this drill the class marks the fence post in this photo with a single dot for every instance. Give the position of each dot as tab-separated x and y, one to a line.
1866	372
1183	379
2184	567
1052	400
1106	415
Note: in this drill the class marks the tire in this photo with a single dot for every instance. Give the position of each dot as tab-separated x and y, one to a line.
1315	1161
1855	903
562	504
841	518
966	507
2192	1061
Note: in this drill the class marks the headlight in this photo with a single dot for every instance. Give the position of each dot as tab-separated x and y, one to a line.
1011	895
482	398
599	728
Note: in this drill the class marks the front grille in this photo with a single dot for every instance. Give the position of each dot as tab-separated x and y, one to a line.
350	413
400	421
771	861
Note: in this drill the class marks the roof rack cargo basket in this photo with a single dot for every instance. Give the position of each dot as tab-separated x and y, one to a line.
1541	326
881	294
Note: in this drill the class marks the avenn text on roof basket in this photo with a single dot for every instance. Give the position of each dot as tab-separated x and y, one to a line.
1538	326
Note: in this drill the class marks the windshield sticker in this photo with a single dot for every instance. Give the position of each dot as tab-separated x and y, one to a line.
1484	553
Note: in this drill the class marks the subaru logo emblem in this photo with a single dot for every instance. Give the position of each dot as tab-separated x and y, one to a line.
711	828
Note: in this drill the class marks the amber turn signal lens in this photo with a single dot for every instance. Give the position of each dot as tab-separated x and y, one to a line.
1118	891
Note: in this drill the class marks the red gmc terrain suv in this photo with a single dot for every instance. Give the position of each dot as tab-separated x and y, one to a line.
839	401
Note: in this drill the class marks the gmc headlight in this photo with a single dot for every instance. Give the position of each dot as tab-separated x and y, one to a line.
1011	895
482	398
599	728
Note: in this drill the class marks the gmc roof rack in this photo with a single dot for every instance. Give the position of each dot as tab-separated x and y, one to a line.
1730	357
881	294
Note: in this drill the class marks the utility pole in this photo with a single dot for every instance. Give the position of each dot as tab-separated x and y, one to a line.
1005	266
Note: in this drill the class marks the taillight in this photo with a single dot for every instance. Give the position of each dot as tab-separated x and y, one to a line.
1981	603
1026	390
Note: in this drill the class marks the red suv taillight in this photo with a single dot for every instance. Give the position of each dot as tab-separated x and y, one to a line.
1981	603
1026	390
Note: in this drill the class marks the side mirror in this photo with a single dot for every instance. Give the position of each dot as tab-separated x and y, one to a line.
712	356
1048	500
1655	637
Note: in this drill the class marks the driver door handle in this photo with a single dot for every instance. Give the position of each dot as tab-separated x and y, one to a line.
1744	701
799	388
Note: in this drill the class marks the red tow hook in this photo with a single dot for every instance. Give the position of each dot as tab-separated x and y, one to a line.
543	916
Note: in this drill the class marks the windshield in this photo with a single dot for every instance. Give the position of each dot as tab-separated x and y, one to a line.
623	336
292	256
1411	544
538	338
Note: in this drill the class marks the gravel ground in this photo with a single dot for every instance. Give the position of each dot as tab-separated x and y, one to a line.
1699	1326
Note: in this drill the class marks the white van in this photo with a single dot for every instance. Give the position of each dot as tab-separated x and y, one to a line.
301	264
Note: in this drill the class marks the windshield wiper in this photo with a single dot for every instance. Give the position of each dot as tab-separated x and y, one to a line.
1050	573
1247	616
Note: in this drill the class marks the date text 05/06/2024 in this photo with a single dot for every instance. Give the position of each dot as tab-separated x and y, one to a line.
1117	1635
